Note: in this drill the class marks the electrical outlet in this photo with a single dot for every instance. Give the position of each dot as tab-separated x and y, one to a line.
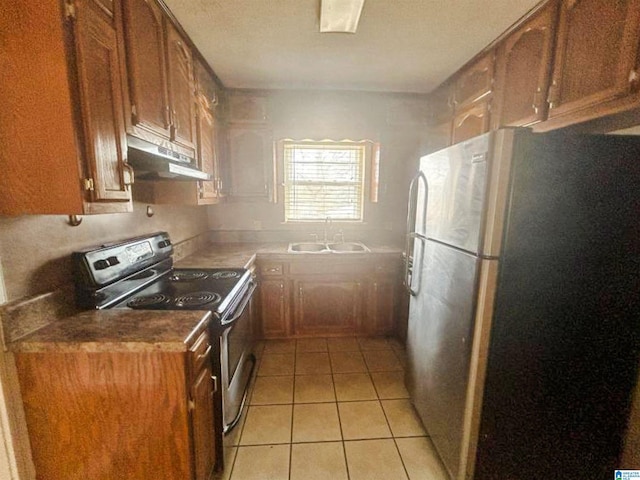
257	225
3	292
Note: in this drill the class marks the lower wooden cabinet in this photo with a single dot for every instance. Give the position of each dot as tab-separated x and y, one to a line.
274	308
329	296
121	414
326	306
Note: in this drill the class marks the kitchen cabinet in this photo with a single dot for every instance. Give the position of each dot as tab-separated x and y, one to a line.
328	305
274	307
596	58
470	121
208	135
523	69
328	295
382	300
65	110
98	414
474	82
161	103
251	163
207	128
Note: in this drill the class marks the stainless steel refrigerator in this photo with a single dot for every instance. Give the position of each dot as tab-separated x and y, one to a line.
524	271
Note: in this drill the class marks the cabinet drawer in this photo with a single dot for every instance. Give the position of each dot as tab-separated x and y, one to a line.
328	268
271	269
199	352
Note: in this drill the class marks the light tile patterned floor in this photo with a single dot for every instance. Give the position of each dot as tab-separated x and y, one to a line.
333	409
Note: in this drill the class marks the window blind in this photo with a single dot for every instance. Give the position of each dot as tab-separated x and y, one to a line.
323	180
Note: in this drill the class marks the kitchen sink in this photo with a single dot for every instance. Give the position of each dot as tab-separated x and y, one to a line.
308	247
317	247
347	247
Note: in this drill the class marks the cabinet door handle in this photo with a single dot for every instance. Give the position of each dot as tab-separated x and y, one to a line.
536	100
129	176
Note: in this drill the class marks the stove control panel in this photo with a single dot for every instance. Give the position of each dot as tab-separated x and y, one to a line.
99	266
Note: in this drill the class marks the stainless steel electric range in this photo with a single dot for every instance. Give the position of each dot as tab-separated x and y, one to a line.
138	274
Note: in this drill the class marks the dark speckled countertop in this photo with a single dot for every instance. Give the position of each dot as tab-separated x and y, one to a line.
116	330
236	255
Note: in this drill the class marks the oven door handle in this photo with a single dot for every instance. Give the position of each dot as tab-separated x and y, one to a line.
240	310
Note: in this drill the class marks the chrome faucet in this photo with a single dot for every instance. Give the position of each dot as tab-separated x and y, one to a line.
327	227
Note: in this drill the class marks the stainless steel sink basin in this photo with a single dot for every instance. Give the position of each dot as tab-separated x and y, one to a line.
308	247
347	247
318	247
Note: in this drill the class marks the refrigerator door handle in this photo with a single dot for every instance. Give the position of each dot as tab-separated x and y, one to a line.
408	269
413	203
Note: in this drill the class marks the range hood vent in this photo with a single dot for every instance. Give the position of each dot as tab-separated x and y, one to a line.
152	162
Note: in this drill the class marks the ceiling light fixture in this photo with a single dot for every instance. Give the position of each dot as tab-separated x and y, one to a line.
340	15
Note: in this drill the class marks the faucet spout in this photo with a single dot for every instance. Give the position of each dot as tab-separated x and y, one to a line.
327	227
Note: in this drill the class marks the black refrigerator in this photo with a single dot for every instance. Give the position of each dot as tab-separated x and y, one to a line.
524	322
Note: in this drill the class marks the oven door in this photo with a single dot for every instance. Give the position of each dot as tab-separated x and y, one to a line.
236	358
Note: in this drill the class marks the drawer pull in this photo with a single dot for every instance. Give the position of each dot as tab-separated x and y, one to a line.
205	354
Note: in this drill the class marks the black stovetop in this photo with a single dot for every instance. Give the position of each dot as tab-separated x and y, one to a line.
190	289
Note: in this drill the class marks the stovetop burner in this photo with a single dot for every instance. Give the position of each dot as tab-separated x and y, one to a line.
188	275
146	301
225	274
197	299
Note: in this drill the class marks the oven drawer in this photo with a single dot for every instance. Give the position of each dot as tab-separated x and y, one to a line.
199	352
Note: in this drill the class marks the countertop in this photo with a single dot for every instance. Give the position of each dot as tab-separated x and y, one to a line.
236	255
152	330
116	330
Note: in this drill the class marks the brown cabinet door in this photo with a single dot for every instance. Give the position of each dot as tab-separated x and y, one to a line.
99	79
596	51
206	98
181	89
274	308
326	306
523	69
250	162
474	82
381	307
470	122
202	424
146	62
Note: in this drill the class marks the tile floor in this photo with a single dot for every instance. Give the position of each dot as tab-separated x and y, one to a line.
332	408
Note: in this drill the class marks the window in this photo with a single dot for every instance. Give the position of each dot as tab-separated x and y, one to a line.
324	179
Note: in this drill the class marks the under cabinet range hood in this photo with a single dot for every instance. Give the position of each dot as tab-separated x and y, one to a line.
155	162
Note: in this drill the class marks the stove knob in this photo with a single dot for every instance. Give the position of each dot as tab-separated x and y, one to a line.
101	264
113	261
164	243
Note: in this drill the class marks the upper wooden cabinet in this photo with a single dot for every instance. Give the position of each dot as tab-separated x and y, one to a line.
470	122
207	130
63	133
523	67
474	82
181	89
148	107
596	55
161	104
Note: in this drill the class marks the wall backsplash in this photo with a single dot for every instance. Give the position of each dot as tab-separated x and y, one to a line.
35	249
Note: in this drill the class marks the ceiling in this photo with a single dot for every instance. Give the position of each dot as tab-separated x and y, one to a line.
400	46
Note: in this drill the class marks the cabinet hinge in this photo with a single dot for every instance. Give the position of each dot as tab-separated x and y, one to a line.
215	383
634	77
134	114
88	184
70	9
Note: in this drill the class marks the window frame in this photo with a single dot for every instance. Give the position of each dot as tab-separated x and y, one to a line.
367	174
